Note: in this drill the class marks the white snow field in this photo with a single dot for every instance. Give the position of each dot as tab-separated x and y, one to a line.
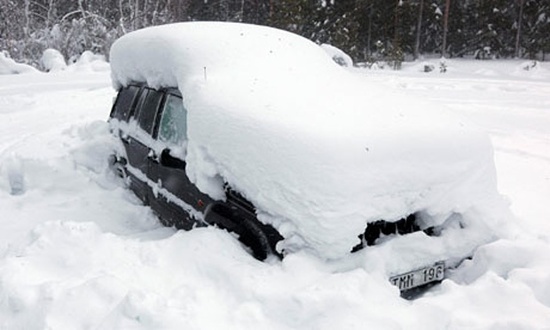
78	251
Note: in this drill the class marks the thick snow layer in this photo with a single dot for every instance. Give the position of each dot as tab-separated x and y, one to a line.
78	251
9	66
319	152
178	54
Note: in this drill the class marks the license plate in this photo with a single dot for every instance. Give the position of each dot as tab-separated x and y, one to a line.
419	277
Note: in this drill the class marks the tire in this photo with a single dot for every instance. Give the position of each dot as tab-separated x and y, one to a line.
259	238
118	166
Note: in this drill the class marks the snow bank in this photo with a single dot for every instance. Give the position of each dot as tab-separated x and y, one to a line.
318	152
52	60
9	66
510	69
90	62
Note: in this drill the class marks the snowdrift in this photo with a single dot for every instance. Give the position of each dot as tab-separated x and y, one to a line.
9	66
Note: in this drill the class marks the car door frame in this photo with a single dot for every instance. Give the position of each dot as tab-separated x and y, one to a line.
178	201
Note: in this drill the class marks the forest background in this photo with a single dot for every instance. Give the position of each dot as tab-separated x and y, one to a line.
368	30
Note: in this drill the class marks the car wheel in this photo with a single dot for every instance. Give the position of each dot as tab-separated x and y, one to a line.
118	166
260	239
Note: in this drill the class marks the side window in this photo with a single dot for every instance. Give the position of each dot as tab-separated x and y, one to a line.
173	122
147	108
124	102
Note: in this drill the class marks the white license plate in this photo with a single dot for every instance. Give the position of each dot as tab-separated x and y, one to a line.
419	277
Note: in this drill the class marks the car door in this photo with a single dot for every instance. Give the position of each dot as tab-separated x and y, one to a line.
139	143
178	201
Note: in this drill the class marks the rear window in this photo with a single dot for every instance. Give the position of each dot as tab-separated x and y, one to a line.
147	108
124	103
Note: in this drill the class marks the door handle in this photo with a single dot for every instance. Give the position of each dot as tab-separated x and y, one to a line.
153	156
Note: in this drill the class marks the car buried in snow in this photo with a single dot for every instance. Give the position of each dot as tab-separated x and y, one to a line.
257	131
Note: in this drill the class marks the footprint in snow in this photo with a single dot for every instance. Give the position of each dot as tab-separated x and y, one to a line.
16	179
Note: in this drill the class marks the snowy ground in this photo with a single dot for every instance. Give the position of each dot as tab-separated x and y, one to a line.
77	251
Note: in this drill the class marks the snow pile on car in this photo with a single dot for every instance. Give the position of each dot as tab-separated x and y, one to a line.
319	153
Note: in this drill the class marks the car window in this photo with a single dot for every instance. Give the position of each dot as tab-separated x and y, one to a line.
173	122
147	108
124	102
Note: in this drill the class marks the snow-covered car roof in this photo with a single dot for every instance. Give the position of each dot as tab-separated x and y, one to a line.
318	152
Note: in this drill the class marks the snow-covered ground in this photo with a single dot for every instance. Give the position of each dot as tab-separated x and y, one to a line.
77	251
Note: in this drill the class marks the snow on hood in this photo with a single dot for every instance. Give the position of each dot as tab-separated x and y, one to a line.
318	152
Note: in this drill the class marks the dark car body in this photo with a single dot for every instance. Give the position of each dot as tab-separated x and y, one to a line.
149	124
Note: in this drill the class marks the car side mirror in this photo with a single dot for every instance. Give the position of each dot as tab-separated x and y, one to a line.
167	160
